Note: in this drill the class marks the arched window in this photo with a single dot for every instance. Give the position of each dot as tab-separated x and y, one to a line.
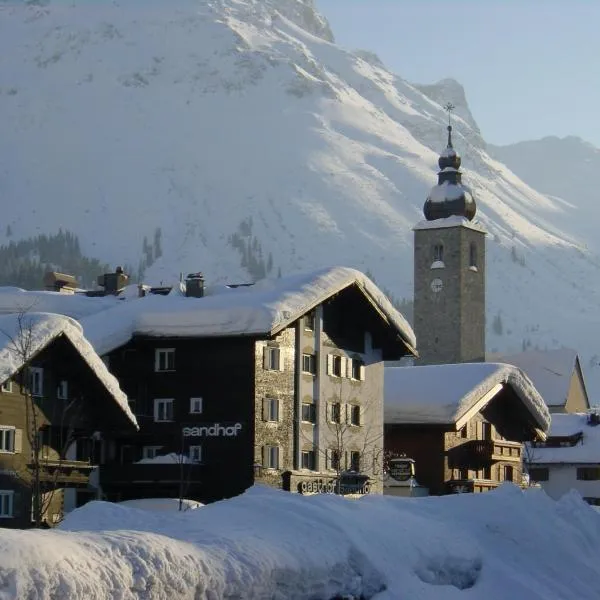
473	255
438	253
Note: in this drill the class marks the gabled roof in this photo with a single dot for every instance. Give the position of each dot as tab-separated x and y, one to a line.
452	394
550	370
586	451
262	309
25	335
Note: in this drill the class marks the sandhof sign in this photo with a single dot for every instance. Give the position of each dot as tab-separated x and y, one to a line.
213	430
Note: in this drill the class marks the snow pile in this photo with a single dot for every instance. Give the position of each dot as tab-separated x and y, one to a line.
444	393
271	544
162	504
22	336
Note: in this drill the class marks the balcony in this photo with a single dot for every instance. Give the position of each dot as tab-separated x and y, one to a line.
65	472
493	451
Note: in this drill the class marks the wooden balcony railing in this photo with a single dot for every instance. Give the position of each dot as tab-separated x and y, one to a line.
494	450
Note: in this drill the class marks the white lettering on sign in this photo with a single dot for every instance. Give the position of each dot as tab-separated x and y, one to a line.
216	430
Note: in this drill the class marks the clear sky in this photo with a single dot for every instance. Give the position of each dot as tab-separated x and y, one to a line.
530	68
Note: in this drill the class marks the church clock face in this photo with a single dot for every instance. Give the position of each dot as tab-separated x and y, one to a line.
437	285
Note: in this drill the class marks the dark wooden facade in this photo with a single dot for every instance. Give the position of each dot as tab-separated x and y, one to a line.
220	372
67	417
481	455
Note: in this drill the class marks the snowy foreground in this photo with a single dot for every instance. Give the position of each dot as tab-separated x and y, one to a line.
270	544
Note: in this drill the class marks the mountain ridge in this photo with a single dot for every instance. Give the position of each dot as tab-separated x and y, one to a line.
242	132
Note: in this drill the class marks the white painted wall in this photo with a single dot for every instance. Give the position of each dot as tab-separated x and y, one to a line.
563	478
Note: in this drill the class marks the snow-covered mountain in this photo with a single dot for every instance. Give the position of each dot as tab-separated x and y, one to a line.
250	141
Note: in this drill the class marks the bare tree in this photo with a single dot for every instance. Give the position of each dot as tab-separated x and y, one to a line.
353	440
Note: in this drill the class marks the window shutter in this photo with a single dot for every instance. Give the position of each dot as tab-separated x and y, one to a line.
266	364
265	409
327	458
329	411
276	457
347	367
277	409
18	441
348	408
281	360
329	364
361	416
264	452
362	372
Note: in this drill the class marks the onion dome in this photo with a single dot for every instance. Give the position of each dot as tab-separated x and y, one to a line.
449	197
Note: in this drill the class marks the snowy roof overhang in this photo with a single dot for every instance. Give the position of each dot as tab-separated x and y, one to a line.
23	336
453	394
263	309
447	222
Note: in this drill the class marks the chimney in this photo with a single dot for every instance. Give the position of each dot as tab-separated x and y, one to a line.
113	283
194	285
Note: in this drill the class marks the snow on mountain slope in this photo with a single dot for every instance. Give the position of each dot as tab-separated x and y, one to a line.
564	169
236	124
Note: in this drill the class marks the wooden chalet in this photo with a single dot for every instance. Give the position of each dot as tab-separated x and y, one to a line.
463	424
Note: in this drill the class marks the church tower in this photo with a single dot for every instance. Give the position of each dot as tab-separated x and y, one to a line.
449	270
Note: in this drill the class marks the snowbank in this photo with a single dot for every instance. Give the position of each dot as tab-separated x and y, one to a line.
272	544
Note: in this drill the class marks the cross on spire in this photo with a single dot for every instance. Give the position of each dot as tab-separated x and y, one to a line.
449	107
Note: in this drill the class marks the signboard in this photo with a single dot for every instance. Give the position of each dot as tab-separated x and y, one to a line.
344	486
212	430
401	469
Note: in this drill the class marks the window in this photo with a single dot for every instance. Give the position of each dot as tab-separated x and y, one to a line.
309	321
358	369
163	409
464	432
335	412
309	364
272	359
164	359
336	366
486	431
271	457
62	390
309	412
7	439
36	381
355	461
438	253
6	504
354	414
487	472
593	501
539	474
333	459
271	409
473	255
151	451
7	386
588	473
508	473
196	454
308	459
195	405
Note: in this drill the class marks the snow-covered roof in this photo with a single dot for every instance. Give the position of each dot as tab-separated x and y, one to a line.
550	370
449	394
262	309
77	306
452	221
586	451
23	335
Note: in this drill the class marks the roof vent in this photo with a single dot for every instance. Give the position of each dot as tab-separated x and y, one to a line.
593	419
